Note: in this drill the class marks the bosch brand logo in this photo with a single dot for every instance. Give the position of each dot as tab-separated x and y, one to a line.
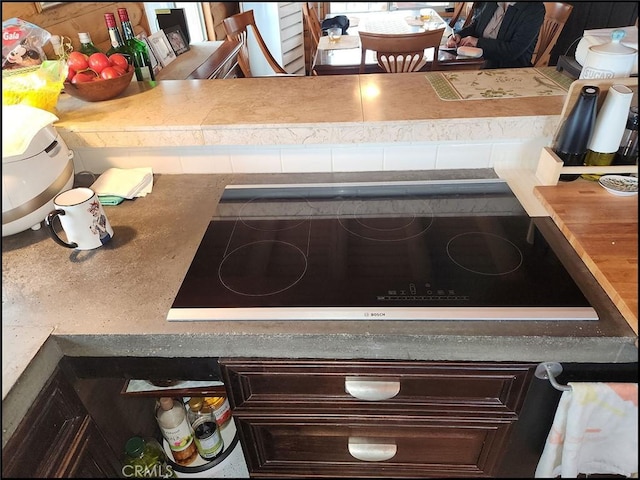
375	314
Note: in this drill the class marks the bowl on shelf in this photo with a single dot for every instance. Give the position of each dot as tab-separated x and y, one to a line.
101	89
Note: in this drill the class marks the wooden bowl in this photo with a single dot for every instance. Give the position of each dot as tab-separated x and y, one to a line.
100	89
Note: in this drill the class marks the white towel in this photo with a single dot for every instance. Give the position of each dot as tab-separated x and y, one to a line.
595	430
124	182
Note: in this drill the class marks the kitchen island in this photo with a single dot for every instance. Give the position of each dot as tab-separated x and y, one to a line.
113	302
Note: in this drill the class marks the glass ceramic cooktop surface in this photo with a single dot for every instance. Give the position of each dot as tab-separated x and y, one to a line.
428	250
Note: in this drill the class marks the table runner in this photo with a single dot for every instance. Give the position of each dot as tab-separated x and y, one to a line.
499	83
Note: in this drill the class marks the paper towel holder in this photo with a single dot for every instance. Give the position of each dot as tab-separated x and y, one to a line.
549	370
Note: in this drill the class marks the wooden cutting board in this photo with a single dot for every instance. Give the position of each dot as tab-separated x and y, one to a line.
603	229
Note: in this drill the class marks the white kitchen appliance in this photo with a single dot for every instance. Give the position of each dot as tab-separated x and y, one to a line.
36	166
602	36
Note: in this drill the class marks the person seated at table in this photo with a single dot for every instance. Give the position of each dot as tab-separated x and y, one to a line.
506	32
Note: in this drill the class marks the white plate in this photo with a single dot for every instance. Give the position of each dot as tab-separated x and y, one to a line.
619	184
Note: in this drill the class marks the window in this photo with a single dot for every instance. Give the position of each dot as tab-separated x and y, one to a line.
352	7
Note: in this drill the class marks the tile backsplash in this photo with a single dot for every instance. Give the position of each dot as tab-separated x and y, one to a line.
314	158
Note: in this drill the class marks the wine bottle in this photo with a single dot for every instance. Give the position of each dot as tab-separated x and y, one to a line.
570	144
137	48
628	150
176	429
609	128
117	45
86	45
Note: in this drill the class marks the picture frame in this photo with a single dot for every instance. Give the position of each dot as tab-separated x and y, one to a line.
162	48
41	6
156	66
177	40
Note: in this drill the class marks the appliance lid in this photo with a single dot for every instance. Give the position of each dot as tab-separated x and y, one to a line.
26	131
425	250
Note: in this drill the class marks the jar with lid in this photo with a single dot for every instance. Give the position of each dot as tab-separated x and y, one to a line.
221	409
145	458
208	439
176	429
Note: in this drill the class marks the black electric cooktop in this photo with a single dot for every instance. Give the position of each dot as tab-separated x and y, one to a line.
428	250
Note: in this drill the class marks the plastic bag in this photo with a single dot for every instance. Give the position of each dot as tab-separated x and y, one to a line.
37	87
22	44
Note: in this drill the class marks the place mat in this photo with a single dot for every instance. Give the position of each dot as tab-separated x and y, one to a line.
346	41
499	83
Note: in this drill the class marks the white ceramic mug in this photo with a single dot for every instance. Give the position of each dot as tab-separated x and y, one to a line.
82	218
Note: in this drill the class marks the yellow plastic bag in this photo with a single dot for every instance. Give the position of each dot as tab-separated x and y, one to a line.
38	87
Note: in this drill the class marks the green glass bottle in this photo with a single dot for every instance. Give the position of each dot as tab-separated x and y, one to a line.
86	45
137	48
117	45
145	458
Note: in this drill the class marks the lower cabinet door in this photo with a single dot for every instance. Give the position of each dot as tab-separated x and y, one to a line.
298	446
58	438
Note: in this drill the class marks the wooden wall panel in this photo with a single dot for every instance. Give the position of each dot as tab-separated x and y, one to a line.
69	18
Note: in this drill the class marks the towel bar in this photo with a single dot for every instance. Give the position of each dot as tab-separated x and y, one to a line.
549	370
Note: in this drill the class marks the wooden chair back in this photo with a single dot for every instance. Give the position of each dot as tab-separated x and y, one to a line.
313	23
464	10
557	14
401	53
315	30
236	27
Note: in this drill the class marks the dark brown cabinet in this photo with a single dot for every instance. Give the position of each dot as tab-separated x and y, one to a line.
58	438
373	418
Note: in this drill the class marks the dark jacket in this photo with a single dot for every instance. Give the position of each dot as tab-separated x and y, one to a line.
517	36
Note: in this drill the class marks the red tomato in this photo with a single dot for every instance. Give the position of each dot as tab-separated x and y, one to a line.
70	74
121	71
83	77
98	62
78	61
109	72
119	60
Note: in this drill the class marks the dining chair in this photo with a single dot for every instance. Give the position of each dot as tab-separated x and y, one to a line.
464	10
556	15
315	30
401	53
236	27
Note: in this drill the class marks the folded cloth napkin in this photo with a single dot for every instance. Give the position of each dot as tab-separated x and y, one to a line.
595	430
125	183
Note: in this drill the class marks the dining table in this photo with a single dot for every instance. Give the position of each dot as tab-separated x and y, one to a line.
343	57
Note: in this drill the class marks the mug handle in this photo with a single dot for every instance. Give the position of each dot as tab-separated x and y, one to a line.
49	223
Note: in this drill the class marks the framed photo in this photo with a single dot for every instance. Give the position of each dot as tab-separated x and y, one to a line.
162	48
177	40
155	64
40	6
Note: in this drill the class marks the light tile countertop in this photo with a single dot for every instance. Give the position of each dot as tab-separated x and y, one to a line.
297	111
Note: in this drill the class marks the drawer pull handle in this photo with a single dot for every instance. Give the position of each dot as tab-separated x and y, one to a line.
371	450
371	389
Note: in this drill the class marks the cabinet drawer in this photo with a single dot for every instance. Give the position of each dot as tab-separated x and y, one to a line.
328	385
386	447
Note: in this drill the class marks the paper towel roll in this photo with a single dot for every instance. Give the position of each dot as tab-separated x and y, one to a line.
611	120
